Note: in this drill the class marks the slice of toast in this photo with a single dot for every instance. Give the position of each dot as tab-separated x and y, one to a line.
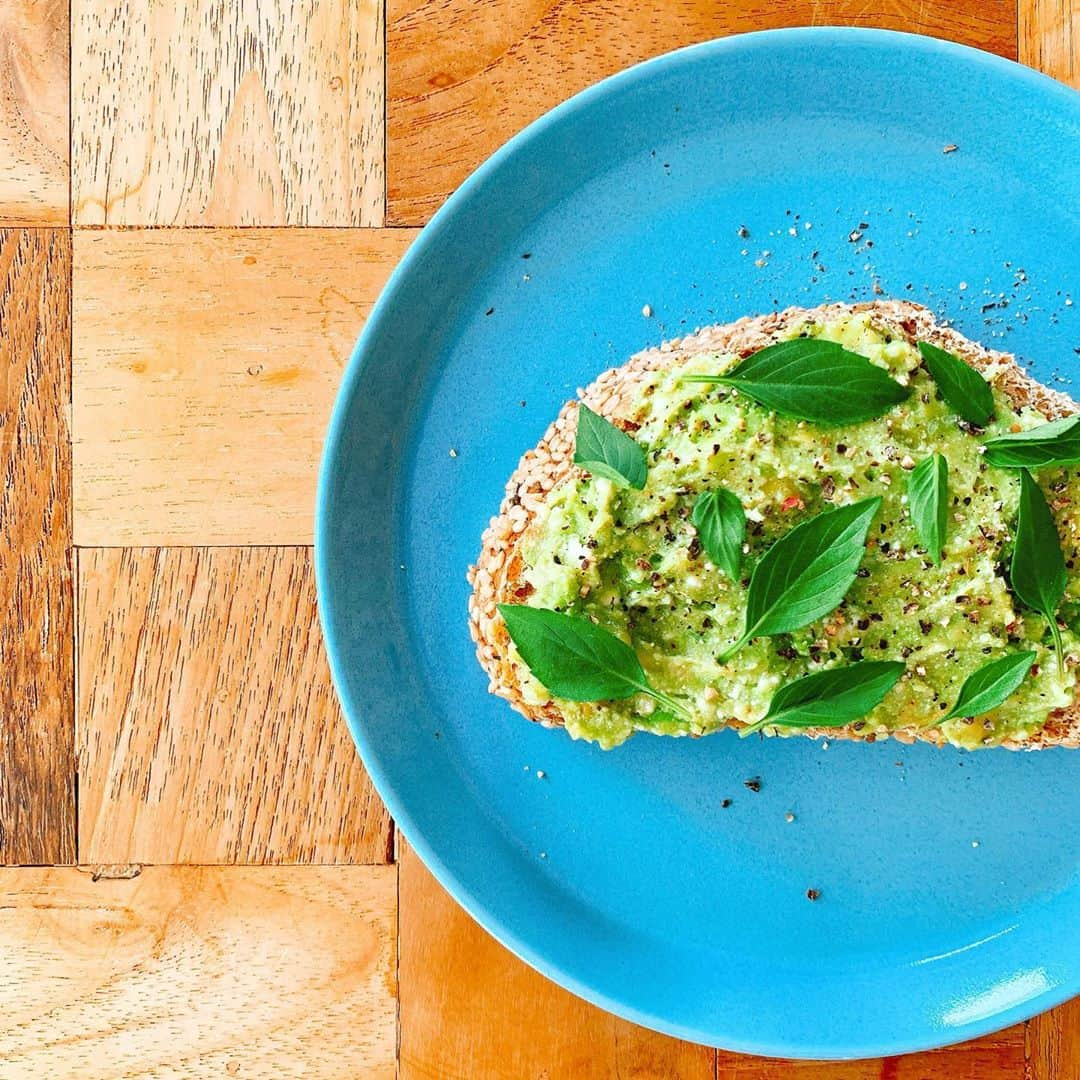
497	576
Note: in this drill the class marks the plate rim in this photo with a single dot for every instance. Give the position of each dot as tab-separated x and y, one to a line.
473	904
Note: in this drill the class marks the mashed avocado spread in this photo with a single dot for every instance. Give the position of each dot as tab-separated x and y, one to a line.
632	562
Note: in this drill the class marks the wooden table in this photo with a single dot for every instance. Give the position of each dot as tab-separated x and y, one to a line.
200	200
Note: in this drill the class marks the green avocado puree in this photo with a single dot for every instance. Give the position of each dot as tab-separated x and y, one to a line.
630	559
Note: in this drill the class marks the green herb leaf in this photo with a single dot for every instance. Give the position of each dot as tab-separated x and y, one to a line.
807	572
1045	446
720	521
812	379
577	660
928	498
831	698
606	451
1038	572
988	686
965	391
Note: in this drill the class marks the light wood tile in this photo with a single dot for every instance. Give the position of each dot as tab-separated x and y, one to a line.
465	75
1049	38
37	774
195	972
206	363
470	1009
207	728
34	112
215	112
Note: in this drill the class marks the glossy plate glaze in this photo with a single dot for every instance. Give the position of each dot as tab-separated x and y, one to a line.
950	893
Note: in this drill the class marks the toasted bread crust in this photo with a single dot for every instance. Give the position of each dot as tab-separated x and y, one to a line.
497	576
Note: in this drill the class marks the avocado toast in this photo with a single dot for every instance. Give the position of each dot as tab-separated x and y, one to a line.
931	627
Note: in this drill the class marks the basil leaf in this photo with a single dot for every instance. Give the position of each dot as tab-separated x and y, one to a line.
606	451
928	498
987	687
812	379
831	698
1038	572
577	660
720	521
965	391
1057	443
807	572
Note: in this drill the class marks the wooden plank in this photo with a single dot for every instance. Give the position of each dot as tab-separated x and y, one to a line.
207	727
206	363
34	112
995	1057
1049	37
198	972
1053	1044
214	112
463	76
37	774
471	1009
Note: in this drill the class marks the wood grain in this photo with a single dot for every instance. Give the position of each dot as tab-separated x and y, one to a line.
37	776
995	1057
207	728
1049	38
206	363
214	112
1053	1044
469	1009
196	972
463	76
34	112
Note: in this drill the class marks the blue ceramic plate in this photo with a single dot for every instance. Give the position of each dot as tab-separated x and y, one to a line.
950	892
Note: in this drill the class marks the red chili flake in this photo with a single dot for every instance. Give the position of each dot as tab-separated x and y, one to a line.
792	502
